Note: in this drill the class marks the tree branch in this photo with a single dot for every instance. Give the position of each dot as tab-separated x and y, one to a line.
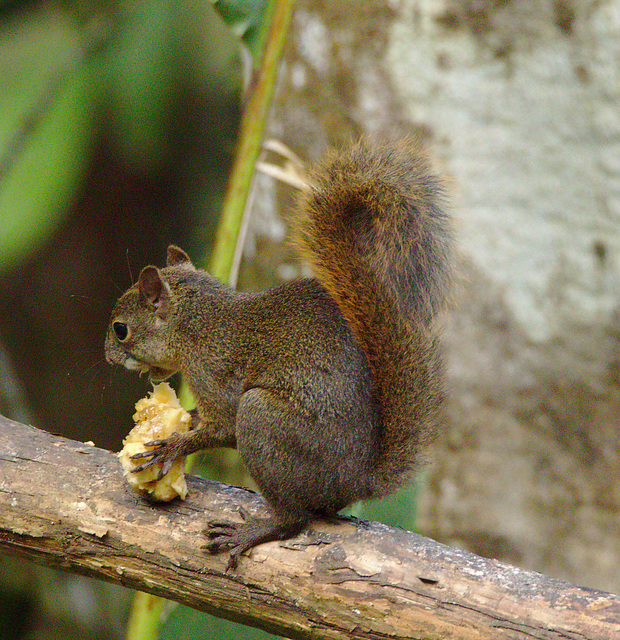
65	505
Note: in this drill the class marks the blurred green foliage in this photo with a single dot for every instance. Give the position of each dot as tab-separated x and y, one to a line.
62	65
246	19
143	64
188	624
46	130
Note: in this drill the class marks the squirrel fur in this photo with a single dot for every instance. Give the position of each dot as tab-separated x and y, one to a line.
330	387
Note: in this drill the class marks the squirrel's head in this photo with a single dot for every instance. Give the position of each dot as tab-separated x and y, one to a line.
140	331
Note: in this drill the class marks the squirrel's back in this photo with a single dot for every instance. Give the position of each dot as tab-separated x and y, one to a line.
375	232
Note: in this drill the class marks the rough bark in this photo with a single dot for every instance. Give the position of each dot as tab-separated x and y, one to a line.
65	504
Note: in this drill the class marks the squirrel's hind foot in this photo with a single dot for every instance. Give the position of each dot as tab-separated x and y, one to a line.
237	537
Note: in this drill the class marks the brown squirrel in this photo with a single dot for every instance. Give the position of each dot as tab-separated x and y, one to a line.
329	387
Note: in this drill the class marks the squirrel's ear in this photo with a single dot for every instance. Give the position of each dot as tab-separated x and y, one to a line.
178	257
155	290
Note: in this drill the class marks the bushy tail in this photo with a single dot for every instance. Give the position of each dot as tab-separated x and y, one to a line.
375	232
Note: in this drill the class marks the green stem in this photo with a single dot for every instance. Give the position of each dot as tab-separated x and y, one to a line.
145	616
250	140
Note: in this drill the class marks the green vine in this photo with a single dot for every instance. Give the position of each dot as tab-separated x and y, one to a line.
258	102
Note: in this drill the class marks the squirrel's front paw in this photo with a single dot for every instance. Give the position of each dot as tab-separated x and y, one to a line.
164	451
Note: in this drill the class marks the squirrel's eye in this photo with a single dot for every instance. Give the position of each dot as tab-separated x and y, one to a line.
121	331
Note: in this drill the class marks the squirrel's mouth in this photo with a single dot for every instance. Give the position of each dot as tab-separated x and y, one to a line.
156	374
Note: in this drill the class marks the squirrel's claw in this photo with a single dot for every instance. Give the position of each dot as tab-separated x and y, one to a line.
165	469
159	443
142	454
222	537
164	452
221	533
238	537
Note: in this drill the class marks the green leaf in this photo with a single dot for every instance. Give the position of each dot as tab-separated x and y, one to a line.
248	20
45	131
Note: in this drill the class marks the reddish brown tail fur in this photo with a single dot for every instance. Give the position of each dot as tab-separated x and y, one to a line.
375	232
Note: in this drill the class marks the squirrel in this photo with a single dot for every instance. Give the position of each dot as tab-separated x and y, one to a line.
330	387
